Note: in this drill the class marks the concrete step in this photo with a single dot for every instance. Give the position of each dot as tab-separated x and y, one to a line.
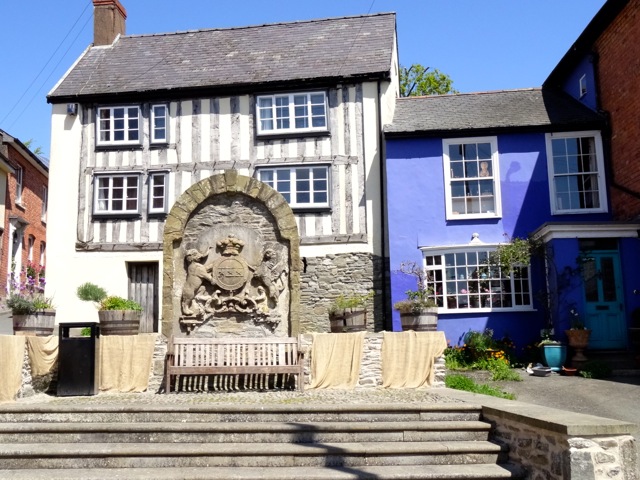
405	472
123	413
156	455
243	432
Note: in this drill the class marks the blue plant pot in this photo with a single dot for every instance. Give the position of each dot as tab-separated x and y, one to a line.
554	356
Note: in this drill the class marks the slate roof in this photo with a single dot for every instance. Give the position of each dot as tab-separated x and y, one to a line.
527	109
274	54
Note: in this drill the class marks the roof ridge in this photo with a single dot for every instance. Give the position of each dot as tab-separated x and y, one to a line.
485	92
247	27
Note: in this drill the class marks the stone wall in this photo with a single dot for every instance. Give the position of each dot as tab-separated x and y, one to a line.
551	455
324	279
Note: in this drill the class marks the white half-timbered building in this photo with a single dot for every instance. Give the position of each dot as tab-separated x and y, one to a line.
139	119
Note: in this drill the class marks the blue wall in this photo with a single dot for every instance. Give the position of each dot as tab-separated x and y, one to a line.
572	83
416	217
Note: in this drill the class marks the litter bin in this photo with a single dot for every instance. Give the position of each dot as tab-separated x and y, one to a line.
78	360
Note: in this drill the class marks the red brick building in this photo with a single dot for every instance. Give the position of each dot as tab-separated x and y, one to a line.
23	206
610	48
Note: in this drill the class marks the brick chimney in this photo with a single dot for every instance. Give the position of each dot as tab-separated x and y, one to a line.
108	21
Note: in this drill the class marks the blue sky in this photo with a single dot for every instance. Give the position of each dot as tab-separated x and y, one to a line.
482	45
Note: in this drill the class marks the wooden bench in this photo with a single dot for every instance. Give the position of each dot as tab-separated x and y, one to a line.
233	356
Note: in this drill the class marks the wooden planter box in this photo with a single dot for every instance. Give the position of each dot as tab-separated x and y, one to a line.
348	321
39	324
425	321
119	322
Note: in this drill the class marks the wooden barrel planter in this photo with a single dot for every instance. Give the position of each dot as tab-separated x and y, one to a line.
348	321
39	324
425	321
119	322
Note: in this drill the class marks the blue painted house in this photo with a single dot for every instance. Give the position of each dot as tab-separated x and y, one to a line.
467	172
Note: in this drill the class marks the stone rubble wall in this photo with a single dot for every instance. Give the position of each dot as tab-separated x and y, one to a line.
549	455
324	279
371	366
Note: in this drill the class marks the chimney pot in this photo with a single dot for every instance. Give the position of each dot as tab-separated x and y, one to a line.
108	21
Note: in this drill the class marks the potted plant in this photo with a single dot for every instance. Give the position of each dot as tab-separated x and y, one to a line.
554	353
349	313
578	337
117	315
419	311
31	311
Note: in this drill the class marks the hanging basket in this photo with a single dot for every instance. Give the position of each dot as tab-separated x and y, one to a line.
39	324
345	321
119	322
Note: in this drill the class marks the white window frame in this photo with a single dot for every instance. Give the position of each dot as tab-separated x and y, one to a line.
45	201
152	193
155	138
557	209
30	243
111	176
582	86
292	193
492	206
43	249
19	172
275	113
484	285
108	125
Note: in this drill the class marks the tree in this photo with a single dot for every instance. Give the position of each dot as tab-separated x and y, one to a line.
418	80
36	151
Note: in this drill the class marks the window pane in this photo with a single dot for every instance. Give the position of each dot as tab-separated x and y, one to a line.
484	151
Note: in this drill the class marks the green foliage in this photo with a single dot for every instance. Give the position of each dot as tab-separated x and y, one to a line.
27	297
460	382
595	369
27	304
456	358
418	80
119	303
480	341
419	299
36	151
517	252
351	302
85	332
90	292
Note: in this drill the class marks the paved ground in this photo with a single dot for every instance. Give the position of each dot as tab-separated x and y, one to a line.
615	397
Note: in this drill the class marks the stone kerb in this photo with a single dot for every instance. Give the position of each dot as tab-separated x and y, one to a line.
559	445
228	183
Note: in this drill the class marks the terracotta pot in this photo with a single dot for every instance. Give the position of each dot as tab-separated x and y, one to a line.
578	338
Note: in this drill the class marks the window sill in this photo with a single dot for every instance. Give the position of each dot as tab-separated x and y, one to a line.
20	205
485	310
116	216
302	210
120	146
294	134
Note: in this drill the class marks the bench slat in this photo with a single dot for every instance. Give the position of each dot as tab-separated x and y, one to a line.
234	356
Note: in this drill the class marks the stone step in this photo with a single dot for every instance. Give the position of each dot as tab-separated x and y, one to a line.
94	413
405	472
243	432
156	455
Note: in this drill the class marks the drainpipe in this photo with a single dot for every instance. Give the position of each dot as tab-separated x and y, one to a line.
386	288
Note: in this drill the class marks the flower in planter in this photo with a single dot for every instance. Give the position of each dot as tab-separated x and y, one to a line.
26	297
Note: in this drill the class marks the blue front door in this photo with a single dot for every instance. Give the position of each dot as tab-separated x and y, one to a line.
604	304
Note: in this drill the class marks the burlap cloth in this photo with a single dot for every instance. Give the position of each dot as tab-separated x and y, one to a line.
125	362
43	354
408	358
336	359
11	357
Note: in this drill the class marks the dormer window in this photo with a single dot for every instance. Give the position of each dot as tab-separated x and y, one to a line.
118	126
294	112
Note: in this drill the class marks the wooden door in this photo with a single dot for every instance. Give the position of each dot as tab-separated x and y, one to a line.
603	300
143	288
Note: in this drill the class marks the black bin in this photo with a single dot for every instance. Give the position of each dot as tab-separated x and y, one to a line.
78	360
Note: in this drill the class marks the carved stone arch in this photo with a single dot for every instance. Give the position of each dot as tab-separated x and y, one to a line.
221	191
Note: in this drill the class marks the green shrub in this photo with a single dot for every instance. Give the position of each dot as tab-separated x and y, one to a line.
90	292
119	303
595	369
456	358
480	341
